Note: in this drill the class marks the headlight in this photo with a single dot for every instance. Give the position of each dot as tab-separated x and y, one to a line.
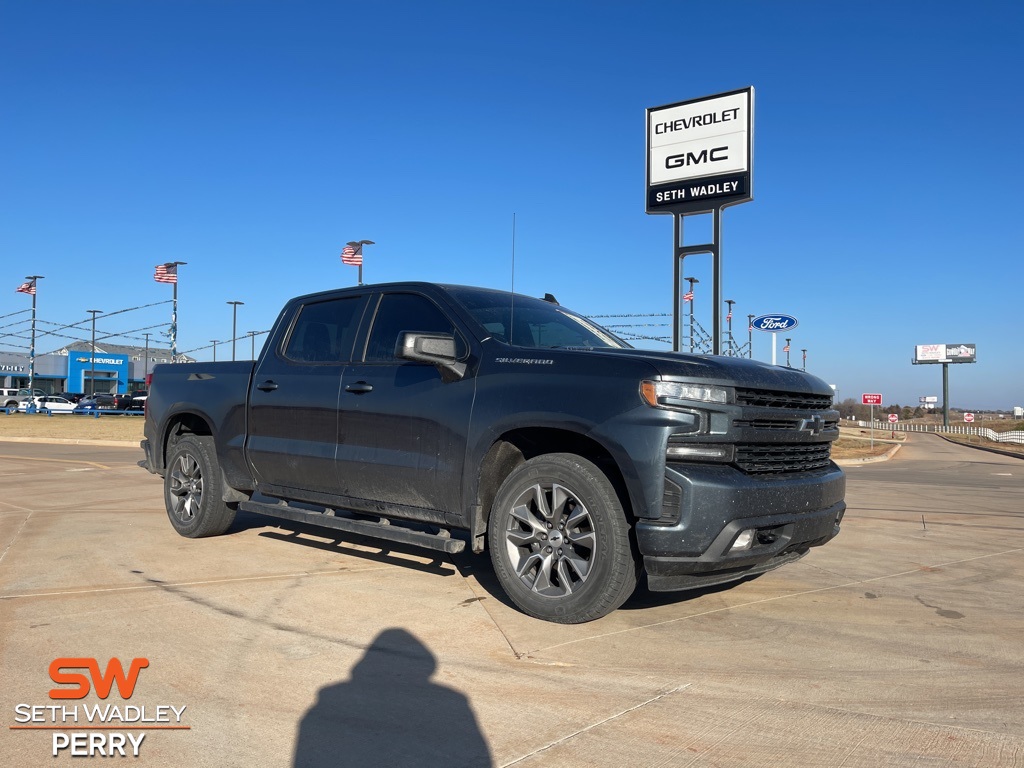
678	452
667	394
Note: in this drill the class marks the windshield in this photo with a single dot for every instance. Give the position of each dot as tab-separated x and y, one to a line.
529	322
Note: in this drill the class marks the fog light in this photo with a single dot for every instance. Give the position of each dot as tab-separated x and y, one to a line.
744	541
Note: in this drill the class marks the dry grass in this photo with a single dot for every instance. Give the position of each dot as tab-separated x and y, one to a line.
854	448
71	426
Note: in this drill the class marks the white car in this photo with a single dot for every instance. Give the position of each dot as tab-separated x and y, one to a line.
50	402
9	398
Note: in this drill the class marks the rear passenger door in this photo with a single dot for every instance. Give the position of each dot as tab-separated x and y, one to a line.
293	405
402	427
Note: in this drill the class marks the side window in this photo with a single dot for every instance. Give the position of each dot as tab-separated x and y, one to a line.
325	331
400	312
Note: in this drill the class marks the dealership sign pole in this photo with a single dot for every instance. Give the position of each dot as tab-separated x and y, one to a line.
774	324
699	160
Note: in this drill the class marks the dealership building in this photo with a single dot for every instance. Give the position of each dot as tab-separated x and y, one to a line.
112	368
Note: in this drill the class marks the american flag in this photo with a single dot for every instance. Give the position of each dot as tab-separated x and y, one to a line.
352	255
688	296
729	316
166	273
29	288
786	348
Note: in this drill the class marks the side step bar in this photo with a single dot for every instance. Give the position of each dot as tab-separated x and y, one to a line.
442	541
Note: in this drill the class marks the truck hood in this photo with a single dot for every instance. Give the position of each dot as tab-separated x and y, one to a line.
719	369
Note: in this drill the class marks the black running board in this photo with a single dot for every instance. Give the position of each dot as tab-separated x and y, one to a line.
381	529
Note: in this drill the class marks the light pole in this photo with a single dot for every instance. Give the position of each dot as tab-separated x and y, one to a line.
728	320
750	336
145	367
804	368
234	325
692	281
252	340
92	349
214	349
32	349
787	353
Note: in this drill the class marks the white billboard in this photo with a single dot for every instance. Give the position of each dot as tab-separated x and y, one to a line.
700	151
944	353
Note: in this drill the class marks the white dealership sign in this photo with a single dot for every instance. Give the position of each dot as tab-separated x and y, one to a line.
699	152
944	353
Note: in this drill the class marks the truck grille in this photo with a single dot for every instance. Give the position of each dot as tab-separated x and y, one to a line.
781	424
768	399
769	458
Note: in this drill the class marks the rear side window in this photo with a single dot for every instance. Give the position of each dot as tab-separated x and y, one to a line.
324	332
400	312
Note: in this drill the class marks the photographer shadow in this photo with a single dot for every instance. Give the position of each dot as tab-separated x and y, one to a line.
389	713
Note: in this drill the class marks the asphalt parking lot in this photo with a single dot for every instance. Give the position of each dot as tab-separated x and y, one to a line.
900	643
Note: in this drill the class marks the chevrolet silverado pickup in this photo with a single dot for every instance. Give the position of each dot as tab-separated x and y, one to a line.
446	416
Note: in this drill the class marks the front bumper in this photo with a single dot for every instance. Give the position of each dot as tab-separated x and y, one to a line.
691	547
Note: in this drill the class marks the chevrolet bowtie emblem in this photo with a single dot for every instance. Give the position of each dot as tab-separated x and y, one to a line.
814	425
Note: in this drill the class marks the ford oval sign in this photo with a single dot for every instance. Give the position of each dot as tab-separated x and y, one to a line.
774	323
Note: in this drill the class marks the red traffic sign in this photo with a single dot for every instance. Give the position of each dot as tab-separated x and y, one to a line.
870	399
893	418
968	417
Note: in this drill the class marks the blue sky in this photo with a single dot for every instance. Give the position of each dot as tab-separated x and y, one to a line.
253	139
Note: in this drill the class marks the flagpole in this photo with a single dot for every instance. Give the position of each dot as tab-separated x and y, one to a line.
172	266
32	347
691	280
354	250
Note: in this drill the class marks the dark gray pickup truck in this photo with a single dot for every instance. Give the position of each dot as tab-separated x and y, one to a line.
410	411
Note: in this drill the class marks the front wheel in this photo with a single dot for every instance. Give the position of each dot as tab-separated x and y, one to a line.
192	489
559	540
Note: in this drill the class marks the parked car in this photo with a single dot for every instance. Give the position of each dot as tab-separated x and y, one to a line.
97	403
11	398
8	398
139	400
53	403
123	401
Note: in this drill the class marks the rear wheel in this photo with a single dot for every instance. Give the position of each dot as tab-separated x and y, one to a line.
559	540
192	489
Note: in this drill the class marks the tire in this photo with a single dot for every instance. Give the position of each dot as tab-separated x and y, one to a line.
560	541
192	489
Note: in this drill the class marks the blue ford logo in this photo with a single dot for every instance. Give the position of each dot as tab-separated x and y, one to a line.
774	323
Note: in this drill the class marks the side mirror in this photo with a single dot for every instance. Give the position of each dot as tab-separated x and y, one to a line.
435	348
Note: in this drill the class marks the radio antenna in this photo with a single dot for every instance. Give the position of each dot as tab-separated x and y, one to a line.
512	311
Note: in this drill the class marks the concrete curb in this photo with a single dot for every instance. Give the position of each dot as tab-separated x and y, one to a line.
71	441
869	459
983	448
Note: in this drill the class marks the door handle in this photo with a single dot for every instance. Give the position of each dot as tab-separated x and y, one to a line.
267	386
359	388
